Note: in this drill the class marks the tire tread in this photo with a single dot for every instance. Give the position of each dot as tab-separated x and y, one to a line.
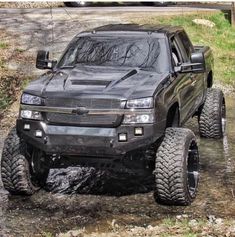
169	170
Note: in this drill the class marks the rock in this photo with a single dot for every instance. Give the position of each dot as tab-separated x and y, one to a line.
150	227
232	230
183	216
193	222
218	221
113	224
204	22
211	219
178	217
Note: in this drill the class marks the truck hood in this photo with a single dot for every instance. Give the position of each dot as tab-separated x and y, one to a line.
97	81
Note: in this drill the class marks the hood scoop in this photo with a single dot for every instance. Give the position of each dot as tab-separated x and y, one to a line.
90	83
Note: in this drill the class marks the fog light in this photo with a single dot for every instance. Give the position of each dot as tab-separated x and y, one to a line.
26	126
38	133
122	137
139	131
26	114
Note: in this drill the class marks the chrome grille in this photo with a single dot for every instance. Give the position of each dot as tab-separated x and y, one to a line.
88	103
86	119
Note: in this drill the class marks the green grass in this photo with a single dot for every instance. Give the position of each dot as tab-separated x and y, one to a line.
181	227
221	38
47	234
4	101
10	85
3	45
19	50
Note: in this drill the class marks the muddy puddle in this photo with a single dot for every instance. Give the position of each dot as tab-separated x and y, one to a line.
126	199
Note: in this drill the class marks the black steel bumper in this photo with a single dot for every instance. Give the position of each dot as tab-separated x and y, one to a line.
87	141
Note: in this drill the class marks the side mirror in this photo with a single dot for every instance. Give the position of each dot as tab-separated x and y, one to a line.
199	62
196	65
43	62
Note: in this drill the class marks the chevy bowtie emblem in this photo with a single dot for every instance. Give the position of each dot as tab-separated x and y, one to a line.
80	111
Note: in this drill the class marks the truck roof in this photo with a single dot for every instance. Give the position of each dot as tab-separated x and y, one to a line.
166	29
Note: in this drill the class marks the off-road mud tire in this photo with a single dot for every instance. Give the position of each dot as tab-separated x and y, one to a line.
172	183
15	171
212	119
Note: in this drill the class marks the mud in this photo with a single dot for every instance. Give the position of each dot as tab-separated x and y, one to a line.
88	180
126	199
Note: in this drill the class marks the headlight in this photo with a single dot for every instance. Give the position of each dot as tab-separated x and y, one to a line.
28	114
31	99
143	103
138	118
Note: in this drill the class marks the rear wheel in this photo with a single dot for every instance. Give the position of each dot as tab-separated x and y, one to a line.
20	174
177	168
212	119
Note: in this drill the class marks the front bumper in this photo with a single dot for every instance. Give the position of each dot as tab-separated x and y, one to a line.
87	141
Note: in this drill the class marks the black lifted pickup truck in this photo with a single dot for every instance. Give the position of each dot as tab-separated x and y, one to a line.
117	99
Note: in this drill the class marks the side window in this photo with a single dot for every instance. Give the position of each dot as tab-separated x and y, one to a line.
186	43
177	58
181	48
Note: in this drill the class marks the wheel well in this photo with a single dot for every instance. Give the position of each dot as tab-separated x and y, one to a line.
210	80
172	119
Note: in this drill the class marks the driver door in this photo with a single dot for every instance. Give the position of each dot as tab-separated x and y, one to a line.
185	88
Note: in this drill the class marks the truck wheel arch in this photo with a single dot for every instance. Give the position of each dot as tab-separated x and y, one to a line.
173	116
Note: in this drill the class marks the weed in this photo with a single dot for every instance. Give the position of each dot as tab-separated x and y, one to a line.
19	50
47	234
3	45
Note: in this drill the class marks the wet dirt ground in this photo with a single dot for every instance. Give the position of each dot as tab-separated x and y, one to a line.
134	205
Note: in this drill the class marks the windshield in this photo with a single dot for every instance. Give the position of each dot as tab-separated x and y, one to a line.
110	51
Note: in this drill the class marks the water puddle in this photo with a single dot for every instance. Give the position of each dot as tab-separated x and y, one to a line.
127	199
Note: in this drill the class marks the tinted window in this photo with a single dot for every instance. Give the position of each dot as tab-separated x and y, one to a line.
178	51
186	43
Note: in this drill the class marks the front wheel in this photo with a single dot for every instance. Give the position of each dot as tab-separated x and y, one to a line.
18	169
177	168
